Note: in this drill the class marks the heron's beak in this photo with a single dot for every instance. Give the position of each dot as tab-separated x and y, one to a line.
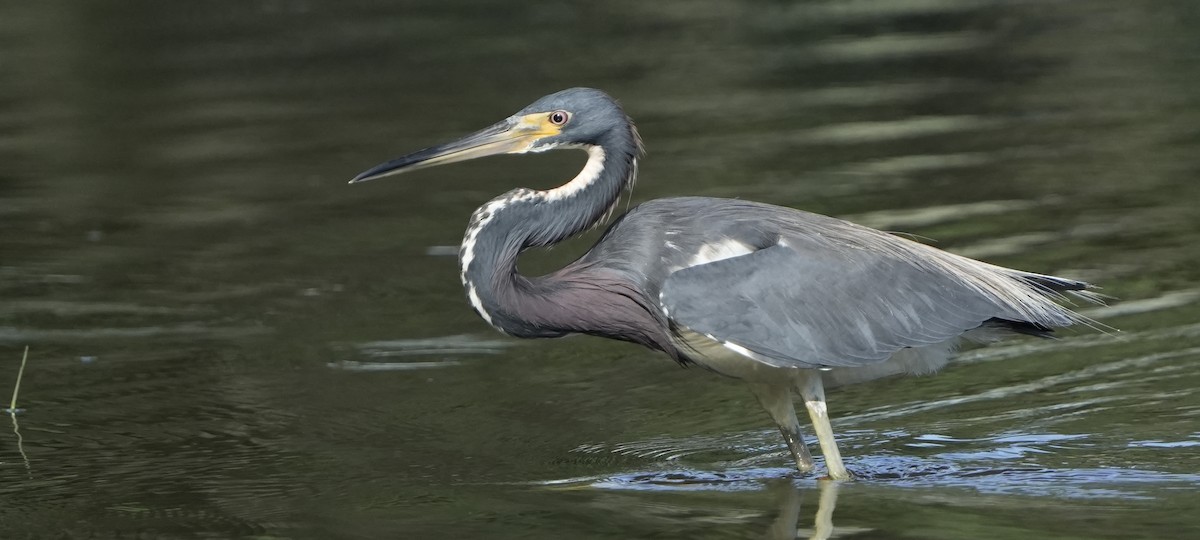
511	136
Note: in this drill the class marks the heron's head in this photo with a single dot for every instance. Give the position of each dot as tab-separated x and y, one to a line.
576	117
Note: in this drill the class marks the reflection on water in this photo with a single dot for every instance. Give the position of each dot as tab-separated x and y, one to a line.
227	341
994	465
787	495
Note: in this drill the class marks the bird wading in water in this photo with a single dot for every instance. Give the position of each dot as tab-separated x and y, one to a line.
785	300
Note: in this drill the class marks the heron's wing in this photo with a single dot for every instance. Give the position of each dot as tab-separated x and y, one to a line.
816	306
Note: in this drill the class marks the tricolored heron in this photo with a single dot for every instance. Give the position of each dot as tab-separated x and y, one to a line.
782	299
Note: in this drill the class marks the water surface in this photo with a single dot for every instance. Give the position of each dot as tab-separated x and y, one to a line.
228	341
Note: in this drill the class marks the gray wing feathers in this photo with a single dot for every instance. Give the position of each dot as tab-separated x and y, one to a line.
819	291
830	308
849	296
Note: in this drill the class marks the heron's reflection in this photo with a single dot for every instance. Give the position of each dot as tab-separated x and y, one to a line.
684	500
790	496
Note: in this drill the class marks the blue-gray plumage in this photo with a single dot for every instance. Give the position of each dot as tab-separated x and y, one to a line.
782	299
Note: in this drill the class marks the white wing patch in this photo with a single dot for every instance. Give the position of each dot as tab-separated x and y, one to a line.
716	251
712	252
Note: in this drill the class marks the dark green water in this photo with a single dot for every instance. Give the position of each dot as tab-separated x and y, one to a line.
227	341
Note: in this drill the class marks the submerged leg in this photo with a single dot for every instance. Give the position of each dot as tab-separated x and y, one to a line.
810	388
777	400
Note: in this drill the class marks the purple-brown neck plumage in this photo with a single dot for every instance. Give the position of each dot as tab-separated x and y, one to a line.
580	298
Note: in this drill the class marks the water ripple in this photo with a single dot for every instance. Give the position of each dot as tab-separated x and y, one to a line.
449	349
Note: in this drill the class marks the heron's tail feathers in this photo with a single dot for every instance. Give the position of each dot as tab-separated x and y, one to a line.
1059	285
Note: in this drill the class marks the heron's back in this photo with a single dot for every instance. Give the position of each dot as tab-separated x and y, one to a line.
794	289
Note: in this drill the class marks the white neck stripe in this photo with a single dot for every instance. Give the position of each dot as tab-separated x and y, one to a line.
590	173
485	214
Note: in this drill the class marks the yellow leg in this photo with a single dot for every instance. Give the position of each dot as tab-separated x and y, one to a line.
810	388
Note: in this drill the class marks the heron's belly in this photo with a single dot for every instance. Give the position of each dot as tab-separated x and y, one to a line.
729	362
734	365
913	361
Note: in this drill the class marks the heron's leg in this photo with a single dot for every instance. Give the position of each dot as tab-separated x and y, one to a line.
810	388
777	400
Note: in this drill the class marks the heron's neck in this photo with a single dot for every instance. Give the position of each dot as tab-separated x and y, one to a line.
520	219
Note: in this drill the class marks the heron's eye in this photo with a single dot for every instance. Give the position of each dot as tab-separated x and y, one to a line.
559	118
